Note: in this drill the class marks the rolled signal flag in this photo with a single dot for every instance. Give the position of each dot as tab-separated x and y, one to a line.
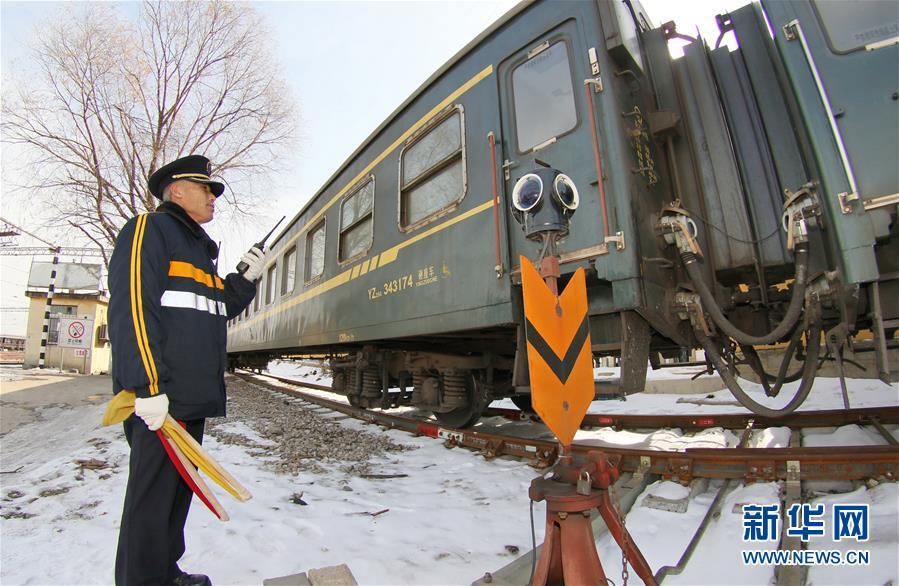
186	455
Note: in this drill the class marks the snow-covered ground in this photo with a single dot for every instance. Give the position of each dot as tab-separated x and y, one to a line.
453	517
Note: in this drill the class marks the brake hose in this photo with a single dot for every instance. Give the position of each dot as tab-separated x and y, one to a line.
755	363
813	349
711	306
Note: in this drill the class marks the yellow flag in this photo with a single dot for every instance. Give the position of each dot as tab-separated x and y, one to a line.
121	407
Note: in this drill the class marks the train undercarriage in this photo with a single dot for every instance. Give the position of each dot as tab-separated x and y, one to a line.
455	388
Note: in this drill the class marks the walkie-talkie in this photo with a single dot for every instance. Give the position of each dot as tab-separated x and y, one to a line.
242	266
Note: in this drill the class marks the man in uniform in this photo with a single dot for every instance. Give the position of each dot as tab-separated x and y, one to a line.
168	310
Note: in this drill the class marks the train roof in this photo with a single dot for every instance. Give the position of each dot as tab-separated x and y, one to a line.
499	23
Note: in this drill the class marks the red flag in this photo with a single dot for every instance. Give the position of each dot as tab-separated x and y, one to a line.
190	476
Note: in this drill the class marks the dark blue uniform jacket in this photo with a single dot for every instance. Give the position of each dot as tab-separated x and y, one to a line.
168	312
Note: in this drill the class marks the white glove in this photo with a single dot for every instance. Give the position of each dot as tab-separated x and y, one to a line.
255	260
152	410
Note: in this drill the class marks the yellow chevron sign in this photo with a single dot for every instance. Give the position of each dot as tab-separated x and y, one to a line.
560	360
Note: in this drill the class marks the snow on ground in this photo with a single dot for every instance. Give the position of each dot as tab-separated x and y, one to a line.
435	526
882	543
448	521
7	374
717	559
825	394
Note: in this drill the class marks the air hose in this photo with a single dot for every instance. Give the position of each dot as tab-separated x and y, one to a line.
755	363
711	306
813	349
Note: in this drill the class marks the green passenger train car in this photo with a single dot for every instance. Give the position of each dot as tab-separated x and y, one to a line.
725	200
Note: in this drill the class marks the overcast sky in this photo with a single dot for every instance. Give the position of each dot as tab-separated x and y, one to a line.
348	66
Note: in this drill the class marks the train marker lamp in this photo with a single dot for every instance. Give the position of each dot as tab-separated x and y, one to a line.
543	201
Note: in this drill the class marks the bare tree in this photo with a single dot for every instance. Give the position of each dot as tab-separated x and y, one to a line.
114	100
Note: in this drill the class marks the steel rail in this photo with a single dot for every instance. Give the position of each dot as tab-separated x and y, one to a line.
876	416
748	464
796	420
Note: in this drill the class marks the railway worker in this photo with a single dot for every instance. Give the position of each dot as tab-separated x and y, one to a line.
167	321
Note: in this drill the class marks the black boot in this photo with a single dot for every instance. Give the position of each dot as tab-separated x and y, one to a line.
192	580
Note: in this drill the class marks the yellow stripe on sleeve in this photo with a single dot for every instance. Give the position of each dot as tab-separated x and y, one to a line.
132	285
137	306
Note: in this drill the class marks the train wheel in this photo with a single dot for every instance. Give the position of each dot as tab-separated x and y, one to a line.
354	400
469	414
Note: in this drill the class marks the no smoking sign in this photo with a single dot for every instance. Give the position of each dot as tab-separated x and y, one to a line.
74	332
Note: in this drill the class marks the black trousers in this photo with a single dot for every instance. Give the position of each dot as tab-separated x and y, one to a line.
151	536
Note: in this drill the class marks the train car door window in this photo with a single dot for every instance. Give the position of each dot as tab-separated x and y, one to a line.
288	278
432	171
315	252
543	96
258	296
271	280
356	222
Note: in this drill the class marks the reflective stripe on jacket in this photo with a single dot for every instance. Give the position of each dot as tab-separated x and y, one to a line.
168	312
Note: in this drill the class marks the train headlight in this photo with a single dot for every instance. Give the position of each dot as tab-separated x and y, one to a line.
566	192
527	192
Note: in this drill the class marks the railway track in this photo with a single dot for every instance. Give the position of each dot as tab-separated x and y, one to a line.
794	463
714	473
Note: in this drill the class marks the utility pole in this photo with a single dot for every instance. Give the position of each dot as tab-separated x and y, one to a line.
45	332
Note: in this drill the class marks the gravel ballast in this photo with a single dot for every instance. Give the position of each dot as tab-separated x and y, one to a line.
292	435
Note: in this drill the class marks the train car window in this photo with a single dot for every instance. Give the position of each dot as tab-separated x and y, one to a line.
543	95
256	299
315	251
288	278
356	222
850	26
432	172
271	279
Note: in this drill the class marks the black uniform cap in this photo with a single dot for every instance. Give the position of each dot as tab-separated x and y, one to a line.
194	168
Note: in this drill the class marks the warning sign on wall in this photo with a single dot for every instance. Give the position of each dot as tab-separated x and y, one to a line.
75	332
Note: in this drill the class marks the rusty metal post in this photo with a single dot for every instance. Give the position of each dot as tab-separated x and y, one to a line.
569	552
623	539
604	475
569	549
550	271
